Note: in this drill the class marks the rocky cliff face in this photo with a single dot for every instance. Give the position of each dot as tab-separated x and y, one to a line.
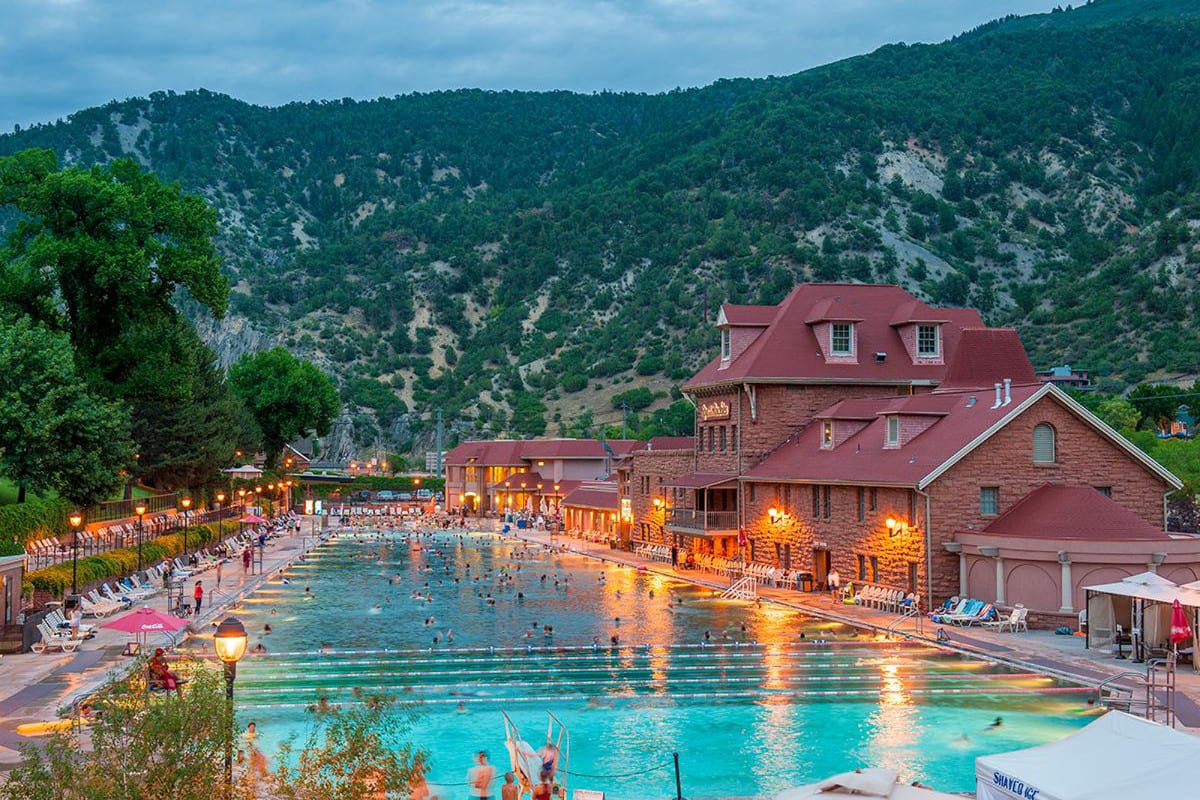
231	337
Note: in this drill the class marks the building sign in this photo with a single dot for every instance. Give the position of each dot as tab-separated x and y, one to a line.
717	409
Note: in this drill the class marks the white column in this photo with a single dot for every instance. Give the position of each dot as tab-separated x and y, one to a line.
1066	606
999	580
962	574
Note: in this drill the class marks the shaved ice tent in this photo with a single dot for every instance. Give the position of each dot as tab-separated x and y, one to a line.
1117	757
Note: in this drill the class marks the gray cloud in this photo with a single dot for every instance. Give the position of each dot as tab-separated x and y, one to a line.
57	56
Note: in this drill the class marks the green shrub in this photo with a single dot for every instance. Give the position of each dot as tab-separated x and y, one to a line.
37	518
11	547
56	579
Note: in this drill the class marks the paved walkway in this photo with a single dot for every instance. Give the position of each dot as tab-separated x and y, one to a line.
1039	651
33	687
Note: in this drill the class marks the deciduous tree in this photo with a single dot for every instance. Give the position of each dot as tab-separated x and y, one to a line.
288	397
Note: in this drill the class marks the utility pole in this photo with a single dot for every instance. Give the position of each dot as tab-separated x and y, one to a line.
438	471
624	417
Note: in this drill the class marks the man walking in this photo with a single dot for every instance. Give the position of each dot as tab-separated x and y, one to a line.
198	596
479	777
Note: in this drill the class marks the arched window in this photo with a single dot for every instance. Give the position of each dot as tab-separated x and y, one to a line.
1044	450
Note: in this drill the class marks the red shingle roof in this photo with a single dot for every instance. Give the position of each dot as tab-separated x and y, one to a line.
594	494
788	349
986	356
862	457
514	452
1071	512
753	316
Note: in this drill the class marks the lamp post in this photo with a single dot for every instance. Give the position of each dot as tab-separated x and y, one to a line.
242	513
76	520
220	506
229	640
187	504
140	510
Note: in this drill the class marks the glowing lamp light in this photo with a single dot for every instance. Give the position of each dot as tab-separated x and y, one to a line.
658	502
76	519
220	497
891	523
556	487
139	509
230	640
773	512
270	486
186	502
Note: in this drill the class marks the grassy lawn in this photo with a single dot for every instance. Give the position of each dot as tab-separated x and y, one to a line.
8	492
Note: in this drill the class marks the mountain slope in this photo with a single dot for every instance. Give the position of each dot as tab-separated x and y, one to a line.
517	258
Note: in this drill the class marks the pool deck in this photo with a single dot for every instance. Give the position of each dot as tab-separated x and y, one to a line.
1038	651
33	687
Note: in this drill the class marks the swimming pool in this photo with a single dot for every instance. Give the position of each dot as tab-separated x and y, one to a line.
755	699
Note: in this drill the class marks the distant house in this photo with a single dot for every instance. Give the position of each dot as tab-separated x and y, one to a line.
1065	377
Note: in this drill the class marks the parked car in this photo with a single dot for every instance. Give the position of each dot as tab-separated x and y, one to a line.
406	496
424	494
361	494
386	495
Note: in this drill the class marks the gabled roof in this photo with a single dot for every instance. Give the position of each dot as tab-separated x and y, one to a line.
788	350
748	316
967	420
600	495
499	453
1054	511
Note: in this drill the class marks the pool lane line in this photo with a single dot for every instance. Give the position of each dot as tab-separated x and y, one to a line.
822	669
814	644
763	693
664	682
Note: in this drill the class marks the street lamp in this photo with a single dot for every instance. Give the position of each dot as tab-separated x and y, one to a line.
229	640
242	513
76	520
220	505
187	504
140	510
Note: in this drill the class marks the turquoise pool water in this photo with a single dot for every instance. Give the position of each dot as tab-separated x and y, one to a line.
769	700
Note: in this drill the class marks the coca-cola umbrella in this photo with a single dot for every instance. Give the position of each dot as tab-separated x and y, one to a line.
145	621
1181	631
252	519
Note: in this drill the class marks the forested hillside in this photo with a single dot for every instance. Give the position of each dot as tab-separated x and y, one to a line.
517	259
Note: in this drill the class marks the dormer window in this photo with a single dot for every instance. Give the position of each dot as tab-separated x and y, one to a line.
726	341
841	338
826	434
929	343
892	437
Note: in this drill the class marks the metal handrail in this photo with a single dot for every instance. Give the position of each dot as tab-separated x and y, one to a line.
913	611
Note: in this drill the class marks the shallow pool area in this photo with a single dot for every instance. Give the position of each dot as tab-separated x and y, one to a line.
754	698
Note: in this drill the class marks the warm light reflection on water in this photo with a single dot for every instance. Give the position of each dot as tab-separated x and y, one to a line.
752	708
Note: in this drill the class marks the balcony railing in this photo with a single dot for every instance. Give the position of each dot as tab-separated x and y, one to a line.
702	520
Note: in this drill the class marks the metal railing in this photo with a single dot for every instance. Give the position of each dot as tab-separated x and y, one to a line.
702	520
120	509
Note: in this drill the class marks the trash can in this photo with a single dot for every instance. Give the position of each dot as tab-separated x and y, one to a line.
804	581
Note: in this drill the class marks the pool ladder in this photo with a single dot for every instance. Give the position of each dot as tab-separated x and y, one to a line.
1157	704
745	588
914	613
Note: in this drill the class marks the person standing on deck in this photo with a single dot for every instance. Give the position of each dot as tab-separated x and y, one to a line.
198	596
834	580
479	777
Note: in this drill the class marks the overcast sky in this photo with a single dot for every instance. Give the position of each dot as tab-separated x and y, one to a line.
58	56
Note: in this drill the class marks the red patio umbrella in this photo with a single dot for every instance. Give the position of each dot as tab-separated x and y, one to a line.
252	519
146	620
1181	631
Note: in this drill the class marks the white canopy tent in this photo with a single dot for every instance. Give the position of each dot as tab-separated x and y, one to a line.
875	782
245	472
1117	757
1140	601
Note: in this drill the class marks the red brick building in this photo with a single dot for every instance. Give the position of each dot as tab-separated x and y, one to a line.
857	428
490	477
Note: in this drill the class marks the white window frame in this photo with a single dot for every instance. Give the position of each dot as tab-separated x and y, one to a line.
937	341
994	493
891	436
827	434
726	343
833	327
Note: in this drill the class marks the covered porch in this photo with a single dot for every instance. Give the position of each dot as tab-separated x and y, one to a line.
710	510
